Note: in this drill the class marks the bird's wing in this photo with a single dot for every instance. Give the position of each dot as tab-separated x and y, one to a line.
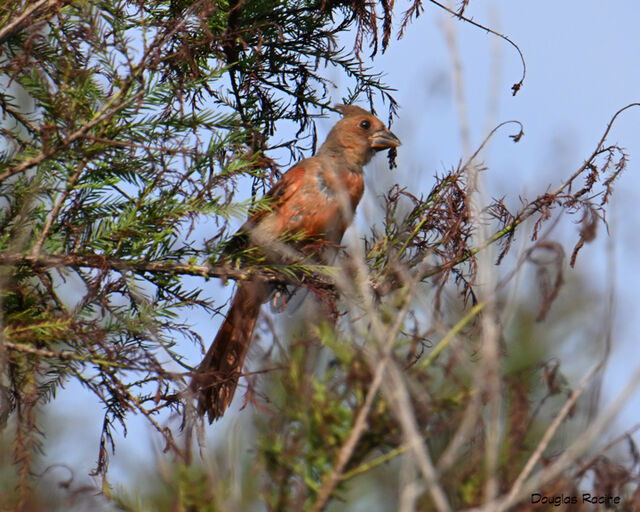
278	195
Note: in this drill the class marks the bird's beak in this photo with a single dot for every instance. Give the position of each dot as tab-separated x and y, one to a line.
384	139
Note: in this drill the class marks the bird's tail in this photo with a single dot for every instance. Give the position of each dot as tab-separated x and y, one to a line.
216	378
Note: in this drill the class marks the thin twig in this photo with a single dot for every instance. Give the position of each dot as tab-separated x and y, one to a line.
69	355
24	19
359	427
569	456
576	393
56	208
452	333
531	208
100	261
516	87
380	361
110	108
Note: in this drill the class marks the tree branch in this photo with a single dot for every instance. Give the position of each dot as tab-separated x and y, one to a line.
100	261
24	19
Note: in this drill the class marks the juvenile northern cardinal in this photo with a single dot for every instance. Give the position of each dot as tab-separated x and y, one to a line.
315	200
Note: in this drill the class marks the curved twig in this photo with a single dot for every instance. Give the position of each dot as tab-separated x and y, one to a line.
515	87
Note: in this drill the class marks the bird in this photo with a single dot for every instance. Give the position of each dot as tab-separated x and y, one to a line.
314	201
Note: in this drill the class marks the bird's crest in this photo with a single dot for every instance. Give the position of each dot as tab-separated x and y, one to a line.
352	110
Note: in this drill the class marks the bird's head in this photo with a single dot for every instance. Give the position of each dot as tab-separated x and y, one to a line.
358	136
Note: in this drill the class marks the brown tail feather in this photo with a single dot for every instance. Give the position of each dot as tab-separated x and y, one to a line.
216	378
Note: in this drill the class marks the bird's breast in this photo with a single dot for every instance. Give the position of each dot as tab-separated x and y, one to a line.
324	205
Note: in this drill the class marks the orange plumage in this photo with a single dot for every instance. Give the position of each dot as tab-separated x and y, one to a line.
315	200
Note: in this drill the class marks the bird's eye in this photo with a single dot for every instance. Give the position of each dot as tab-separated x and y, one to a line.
365	125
